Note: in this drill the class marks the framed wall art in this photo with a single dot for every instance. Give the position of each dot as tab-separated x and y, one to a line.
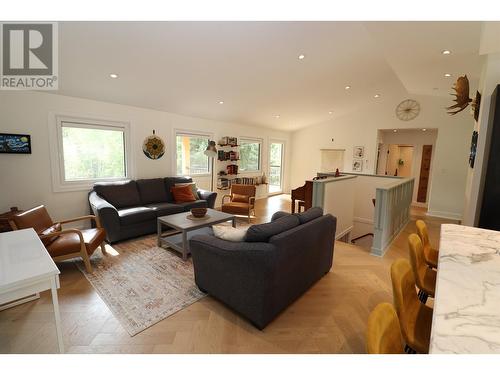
15	143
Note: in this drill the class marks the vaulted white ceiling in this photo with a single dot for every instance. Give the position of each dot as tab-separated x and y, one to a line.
253	67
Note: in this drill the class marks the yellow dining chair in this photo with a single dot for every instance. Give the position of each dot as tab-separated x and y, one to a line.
383	335
431	254
425	277
415	318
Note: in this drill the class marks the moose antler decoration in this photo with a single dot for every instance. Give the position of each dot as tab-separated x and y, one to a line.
461	88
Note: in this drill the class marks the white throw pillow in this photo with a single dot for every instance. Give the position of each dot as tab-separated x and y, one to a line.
228	233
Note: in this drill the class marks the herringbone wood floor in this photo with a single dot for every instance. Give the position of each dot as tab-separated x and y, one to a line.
330	318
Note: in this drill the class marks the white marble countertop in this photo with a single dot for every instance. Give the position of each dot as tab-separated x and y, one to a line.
467	303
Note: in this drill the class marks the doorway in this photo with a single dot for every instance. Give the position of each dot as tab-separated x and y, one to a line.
276	155
399	160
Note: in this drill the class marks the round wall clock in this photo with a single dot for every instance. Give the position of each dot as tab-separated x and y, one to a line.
153	147
407	110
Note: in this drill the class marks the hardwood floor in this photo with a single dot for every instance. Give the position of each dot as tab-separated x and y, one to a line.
330	318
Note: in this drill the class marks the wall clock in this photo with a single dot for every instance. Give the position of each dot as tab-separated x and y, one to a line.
407	110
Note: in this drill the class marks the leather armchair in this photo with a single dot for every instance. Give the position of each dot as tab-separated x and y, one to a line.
60	243
241	200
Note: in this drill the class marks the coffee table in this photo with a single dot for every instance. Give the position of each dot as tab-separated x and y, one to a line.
181	229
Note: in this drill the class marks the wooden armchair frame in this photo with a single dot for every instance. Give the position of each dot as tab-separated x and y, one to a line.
83	249
251	204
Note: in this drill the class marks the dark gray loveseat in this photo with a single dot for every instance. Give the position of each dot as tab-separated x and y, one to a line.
260	279
129	208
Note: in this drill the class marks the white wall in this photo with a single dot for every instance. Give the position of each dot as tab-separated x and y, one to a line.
490	78
25	180
360	128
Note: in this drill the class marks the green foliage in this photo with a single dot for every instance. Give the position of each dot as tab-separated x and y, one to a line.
249	156
197	162
93	153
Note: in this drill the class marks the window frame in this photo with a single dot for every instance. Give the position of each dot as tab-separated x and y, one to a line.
260	141
59	182
190	133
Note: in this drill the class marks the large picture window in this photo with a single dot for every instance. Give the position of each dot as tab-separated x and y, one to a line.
85	150
92	153
190	157
250	155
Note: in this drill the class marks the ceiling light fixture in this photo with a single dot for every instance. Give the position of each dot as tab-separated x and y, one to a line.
395	130
376	96
446	52
447	74
221	102
302	56
113	75
277	116
330	112
424	129
347	87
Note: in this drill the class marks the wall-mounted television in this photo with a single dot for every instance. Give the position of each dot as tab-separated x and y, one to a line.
15	143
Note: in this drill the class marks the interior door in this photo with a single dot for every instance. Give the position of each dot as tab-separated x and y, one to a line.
276	153
423	180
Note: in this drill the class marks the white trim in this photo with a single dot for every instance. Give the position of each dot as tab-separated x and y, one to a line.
59	184
190	132
260	141
363	220
344	233
445	215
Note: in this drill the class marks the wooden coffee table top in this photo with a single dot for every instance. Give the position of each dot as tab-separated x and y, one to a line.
181	222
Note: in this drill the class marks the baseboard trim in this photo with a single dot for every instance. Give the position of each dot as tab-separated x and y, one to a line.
445	215
343	233
363	220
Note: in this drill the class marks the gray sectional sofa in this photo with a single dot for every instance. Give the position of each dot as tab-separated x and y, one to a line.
129	208
276	264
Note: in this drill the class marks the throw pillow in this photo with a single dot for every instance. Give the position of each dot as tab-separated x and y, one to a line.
263	232
227	233
53	228
193	187
240	198
182	194
310	214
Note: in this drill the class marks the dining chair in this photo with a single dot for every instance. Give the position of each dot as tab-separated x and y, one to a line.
415	318
425	277
383	334
431	255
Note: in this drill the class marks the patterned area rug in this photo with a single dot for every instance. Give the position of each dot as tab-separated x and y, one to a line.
141	283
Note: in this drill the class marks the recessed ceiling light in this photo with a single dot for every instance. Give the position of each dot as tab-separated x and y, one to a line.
446	52
395	130
376	96
277	116
447	74
347	87
113	75
330	112
424	129
302	56
221	102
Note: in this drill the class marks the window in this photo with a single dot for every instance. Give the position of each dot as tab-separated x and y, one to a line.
91	153
250	150
87	150
190	157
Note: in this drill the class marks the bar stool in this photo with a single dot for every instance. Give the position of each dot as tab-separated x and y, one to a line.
425	277
383	334
415	318
431	255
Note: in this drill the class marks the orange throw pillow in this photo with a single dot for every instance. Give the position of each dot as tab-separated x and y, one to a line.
182	194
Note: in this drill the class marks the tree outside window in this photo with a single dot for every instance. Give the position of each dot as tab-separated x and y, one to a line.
191	159
250	155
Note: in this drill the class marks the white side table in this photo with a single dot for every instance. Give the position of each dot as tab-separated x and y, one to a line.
26	269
